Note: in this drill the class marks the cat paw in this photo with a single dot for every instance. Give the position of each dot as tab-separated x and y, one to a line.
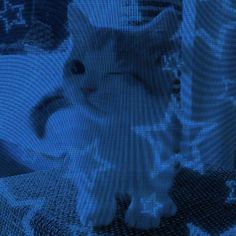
142	220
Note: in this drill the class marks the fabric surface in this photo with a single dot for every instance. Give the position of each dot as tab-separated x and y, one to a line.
43	203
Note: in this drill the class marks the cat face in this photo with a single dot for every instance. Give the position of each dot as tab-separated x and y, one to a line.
108	66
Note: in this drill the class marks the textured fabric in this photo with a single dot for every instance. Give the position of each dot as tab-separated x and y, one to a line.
43	203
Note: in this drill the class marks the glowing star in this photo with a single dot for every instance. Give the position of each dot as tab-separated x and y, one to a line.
151	205
173	63
230	232
195	231
227	94
88	170
7	11
211	42
192	151
232	195
9	208
202	131
160	136
191	156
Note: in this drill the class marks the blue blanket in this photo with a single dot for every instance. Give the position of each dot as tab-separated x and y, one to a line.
43	203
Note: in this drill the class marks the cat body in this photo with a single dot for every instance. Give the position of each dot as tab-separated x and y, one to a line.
107	159
113	82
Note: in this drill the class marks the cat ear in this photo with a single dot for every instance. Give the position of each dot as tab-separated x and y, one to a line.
164	25
79	24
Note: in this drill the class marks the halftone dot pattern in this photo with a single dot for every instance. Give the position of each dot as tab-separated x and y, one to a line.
207	30
205	202
200	200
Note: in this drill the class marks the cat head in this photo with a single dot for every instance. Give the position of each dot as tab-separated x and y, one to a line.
118	69
115	62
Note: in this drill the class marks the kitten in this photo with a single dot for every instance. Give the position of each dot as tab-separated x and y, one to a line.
113	82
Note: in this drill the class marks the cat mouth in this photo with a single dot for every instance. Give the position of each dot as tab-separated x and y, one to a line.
92	109
88	103
97	106
99	102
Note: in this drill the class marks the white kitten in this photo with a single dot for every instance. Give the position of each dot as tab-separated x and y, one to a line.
114	82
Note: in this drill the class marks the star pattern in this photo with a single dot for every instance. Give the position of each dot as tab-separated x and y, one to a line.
211	42
229	232
9	9
13	204
89	170
196	231
190	156
231	184
153	134
151	205
227	94
173	63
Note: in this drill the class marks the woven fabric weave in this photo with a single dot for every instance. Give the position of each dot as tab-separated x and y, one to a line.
44	203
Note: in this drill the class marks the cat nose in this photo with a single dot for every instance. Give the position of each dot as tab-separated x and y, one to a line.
88	90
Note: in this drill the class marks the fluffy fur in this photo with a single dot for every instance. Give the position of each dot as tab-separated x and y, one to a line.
117	85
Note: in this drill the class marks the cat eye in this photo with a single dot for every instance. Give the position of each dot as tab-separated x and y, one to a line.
77	67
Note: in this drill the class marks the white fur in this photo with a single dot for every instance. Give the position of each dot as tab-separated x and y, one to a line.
106	156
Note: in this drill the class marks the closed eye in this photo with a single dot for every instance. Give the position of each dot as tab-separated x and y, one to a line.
136	77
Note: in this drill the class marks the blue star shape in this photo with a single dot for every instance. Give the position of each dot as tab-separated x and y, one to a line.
189	157
211	42
151	205
173	63
12	204
88	171
190	146
227	94
229	232
231	184
160	147
10	8
196	231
